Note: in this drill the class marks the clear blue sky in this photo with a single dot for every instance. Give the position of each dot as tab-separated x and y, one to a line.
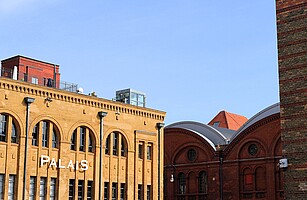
192	58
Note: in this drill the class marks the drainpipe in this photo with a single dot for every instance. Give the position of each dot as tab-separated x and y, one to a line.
101	115
28	101
159	126
219	149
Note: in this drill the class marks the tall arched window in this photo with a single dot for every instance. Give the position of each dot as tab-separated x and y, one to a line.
202	182
49	134
118	143
85	137
181	183
8	129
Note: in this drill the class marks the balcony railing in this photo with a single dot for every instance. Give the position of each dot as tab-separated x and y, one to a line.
48	82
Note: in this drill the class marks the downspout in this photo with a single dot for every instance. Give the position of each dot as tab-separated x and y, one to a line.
101	115
159	126
221	177
28	101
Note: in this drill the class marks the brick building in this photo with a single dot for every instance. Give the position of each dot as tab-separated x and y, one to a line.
56	144
210	162
292	61
31	70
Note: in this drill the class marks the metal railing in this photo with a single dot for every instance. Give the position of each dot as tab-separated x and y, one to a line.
48	82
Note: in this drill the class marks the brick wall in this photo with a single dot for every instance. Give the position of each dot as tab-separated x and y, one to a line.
292	60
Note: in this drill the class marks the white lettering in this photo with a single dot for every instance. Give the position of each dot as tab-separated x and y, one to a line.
44	160
53	163
84	165
70	165
60	164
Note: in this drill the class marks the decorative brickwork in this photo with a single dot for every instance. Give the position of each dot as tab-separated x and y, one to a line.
292	60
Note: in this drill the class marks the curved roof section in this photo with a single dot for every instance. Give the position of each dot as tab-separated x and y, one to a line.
271	110
212	135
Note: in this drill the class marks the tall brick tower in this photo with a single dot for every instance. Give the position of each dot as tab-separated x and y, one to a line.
292	60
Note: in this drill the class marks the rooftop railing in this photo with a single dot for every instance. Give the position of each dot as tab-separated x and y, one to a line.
48	82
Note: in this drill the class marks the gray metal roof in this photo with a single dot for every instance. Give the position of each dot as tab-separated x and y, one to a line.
217	135
271	110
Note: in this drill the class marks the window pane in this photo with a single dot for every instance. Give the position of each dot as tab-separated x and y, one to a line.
11	192
114	191
141	151
90	143
149	152
73	140
34	135
42	188
13	134
90	190
3	124
82	139
53	189
107	150
45	134
123	147
80	189
140	192
148	192
115	143
1	186
106	191
32	188
54	139
122	191
71	192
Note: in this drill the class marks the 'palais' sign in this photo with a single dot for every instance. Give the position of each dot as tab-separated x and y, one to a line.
83	164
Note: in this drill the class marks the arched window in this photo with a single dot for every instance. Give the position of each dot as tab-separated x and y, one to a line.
8	129
118	143
202	182
49	134
85	137
181	183
248	180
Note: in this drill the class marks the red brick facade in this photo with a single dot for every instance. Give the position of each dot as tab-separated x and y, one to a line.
31	70
292	60
246	168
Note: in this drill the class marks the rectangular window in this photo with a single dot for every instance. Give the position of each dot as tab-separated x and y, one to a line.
34	135
90	190
82	139
42	188
106	191
34	80
14	134
115	143
141	150
122	191
11	192
140	192
148	192
1	186
3	124
45	134
71	189
80	189
32	188
114	191
53	189
149	151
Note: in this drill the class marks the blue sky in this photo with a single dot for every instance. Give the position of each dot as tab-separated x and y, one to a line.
192	58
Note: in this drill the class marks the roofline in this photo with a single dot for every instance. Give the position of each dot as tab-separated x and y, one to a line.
20	56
